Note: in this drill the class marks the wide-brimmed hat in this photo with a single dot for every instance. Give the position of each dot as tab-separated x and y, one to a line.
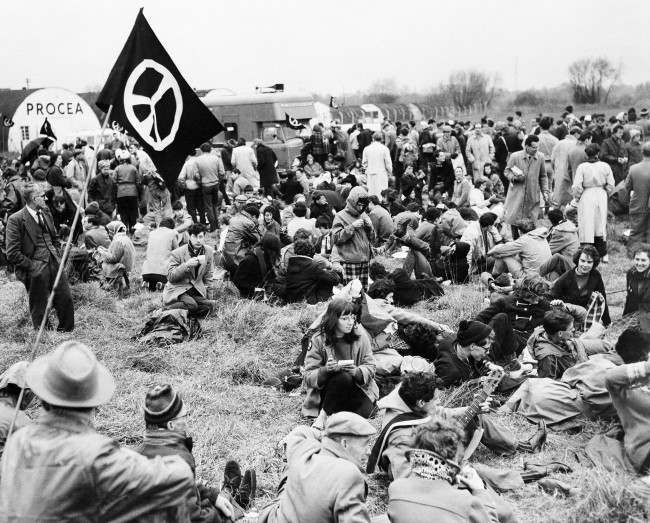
70	376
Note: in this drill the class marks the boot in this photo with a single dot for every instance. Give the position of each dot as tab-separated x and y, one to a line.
533	475
247	489
549	468
231	478
536	441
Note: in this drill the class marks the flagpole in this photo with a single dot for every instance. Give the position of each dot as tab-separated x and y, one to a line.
62	264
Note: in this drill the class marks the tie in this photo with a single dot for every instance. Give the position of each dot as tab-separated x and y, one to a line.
41	222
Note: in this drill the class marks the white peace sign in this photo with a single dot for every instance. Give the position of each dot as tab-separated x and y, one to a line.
144	127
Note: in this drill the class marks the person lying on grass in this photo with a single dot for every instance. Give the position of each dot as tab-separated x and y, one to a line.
580	393
430	491
323	481
554	346
165	415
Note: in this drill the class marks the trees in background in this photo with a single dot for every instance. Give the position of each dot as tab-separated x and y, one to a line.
470	87
592	79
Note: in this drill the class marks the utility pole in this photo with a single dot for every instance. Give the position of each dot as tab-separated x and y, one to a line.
516	72
26	83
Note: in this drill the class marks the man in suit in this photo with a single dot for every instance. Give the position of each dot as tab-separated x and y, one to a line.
33	248
189	274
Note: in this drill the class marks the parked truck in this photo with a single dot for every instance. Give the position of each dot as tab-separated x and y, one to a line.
264	116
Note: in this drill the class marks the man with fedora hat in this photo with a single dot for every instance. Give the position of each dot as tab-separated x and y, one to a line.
60	469
323	481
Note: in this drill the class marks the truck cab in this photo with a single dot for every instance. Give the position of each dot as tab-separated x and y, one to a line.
263	116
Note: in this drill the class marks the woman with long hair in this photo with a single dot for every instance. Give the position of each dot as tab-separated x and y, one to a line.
340	366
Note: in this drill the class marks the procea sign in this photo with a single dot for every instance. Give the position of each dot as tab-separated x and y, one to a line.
68	114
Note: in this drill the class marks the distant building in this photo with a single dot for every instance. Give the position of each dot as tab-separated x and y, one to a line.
69	115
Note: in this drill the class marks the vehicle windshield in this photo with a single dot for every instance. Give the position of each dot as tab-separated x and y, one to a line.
272	133
275	132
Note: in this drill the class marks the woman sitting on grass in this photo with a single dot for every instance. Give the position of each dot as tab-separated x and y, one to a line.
638	282
584	285
118	259
340	366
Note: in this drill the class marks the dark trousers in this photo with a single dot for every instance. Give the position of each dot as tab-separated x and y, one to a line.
152	279
40	283
341	393
193	302
194	202
211	204
127	208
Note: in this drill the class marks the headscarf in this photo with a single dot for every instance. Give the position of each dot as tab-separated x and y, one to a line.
115	227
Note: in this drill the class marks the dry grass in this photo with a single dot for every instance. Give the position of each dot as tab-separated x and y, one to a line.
232	416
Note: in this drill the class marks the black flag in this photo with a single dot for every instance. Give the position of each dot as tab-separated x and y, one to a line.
7	121
292	122
154	103
46	130
333	104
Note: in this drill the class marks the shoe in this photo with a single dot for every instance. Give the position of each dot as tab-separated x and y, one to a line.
536	442
528	476
555	486
549	468
247	489
231	478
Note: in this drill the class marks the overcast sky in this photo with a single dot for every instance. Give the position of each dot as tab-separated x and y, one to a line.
325	46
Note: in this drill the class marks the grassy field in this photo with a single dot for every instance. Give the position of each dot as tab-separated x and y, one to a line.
233	416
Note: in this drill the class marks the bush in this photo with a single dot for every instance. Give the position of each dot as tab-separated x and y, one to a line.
528	98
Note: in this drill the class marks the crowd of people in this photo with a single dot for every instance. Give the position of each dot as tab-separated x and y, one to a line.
521	208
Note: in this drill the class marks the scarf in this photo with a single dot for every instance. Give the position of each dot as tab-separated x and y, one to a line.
195	252
431	465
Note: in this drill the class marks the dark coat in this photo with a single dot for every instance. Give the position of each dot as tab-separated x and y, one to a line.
266	159
610	151
163	442
524	315
22	240
501	151
102	190
334	199
566	288
408	292
306	280
450	369
638	291
253	272
315	210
